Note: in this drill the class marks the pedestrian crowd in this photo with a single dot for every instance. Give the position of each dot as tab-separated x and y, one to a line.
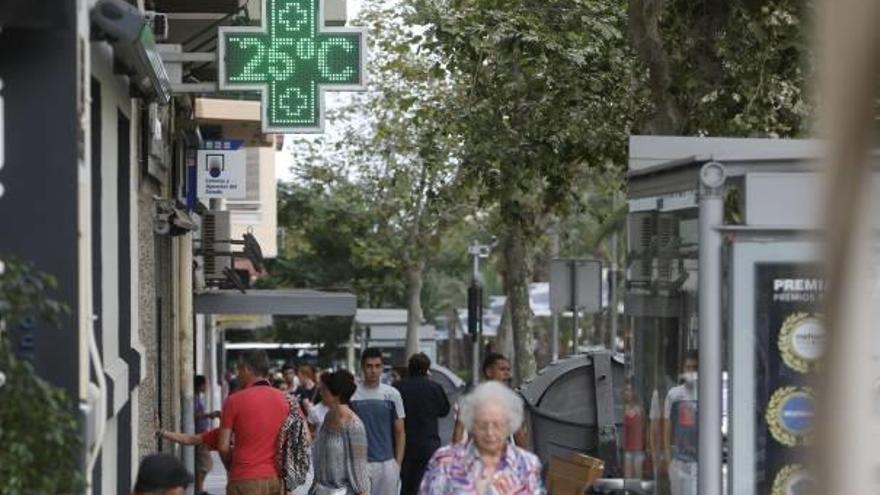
301	431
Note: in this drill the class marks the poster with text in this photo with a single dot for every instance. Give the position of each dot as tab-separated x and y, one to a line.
790	343
222	173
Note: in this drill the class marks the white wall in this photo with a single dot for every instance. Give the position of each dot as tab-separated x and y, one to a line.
263	221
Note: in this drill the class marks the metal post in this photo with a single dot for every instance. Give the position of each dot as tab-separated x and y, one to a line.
475	277
612	296
478	251
554	316
575	332
712	177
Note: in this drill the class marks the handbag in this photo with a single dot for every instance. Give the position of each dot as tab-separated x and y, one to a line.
326	490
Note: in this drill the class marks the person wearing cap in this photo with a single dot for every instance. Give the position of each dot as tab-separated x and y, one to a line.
161	474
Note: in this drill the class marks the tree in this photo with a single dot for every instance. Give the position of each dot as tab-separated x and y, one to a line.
551	93
40	451
324	220
397	147
724	67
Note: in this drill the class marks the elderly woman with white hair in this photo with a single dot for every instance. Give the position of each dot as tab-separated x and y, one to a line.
489	463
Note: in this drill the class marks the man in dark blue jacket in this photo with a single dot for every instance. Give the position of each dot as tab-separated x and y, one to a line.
424	402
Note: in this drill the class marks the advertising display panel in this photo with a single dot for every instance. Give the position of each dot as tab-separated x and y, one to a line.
777	341
790	334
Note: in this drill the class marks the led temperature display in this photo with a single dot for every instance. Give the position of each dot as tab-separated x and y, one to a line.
291	59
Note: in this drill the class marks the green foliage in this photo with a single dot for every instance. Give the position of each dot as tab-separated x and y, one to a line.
527	106
38	428
550	95
22	294
765	90
325	222
733	67
392	164
332	332
552	91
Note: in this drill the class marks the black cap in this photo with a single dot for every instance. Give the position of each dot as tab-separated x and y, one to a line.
160	472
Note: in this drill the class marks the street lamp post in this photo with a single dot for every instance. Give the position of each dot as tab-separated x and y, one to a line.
475	303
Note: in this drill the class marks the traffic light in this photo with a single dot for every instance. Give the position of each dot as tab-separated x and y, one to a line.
475	308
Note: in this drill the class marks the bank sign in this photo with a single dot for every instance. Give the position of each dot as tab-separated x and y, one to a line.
222	170
292	59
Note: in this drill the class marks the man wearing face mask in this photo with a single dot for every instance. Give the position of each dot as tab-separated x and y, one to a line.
680	415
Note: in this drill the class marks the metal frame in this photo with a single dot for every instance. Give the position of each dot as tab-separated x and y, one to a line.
711	203
263	87
300	302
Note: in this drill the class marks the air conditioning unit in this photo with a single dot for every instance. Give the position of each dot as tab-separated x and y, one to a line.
216	249
667	248
641	232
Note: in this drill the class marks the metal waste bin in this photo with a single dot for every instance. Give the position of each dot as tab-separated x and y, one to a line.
454	387
576	406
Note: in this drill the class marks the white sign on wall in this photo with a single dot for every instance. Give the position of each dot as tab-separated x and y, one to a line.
221	170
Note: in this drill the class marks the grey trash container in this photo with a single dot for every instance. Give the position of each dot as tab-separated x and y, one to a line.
454	387
576	406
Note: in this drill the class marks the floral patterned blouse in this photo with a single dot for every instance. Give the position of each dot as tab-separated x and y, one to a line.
454	469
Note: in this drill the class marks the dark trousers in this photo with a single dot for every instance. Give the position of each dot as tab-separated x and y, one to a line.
413	468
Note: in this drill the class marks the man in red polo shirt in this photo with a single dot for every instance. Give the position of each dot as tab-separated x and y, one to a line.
254	415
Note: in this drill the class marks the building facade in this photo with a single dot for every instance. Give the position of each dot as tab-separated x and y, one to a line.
89	157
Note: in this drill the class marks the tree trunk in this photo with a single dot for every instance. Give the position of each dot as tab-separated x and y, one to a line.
413	306
644	23
516	286
504	339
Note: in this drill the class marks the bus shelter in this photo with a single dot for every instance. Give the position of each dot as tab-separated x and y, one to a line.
722	286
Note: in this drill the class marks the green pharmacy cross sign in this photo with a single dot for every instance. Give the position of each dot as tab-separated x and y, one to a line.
292	59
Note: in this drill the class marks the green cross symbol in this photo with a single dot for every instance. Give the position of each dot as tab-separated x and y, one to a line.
292	62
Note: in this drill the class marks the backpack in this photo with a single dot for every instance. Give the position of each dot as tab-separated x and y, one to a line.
293	455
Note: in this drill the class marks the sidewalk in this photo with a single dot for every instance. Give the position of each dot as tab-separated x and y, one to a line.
215	482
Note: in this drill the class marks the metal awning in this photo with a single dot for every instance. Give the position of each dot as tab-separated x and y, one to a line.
293	302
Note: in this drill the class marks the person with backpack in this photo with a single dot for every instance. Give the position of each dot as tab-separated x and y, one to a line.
255	415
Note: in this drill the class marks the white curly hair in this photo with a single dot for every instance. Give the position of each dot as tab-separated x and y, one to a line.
493	393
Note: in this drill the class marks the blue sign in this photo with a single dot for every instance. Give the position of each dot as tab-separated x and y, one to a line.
797	413
223	144
192	199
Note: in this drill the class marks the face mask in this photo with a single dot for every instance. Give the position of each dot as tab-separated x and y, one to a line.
689	377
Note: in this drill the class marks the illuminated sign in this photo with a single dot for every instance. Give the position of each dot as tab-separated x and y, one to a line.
292	59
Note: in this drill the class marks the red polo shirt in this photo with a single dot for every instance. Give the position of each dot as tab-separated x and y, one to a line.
255	416
211	438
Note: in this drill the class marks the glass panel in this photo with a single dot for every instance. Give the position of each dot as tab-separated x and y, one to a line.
660	420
